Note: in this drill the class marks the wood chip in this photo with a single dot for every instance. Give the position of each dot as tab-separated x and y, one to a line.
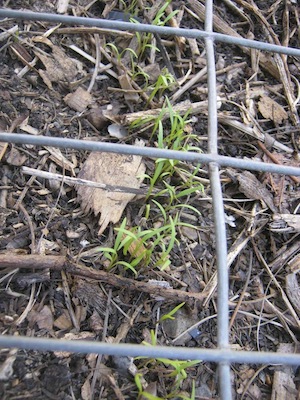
283	384
129	92
79	100
110	169
293	290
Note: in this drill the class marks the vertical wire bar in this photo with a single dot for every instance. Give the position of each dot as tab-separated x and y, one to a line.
219	219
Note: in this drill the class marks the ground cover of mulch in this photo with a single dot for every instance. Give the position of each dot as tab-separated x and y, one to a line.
105	85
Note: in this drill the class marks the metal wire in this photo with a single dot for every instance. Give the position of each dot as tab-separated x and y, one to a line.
223	355
218	207
134	350
160	30
150	152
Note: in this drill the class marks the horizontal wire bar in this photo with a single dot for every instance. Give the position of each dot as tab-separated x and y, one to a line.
150	152
161	30
135	350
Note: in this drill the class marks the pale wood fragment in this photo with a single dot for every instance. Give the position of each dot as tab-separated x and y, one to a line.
284	387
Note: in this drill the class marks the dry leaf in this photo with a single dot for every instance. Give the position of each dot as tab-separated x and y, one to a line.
150	389
16	158
113	170
43	318
270	109
96	322
60	159
3	148
59	67
86	391
253	188
63	321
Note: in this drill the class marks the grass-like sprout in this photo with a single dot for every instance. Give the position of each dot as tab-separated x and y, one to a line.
177	374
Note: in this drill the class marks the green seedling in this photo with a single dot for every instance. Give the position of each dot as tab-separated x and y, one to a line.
131	8
140	245
121	245
177	374
164	81
170	314
174	138
160	20
119	55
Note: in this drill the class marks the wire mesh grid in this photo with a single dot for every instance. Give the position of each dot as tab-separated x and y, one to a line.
223	355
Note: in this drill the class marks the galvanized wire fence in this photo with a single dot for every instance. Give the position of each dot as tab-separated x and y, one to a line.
223	355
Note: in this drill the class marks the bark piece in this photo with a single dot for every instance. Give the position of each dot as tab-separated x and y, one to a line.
283	384
78	100
253	188
293	290
110	169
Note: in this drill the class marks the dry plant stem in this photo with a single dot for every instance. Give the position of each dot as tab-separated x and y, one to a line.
252	380
68	301
29	183
61	263
265	61
189	84
235	249
274	159
284	257
286	322
97	64
77	181
91	30
103	67
279	287
280	60
31	228
29	306
126	325
100	356
243	292
116	389
252	131
32	298
51	215
4	182
182	108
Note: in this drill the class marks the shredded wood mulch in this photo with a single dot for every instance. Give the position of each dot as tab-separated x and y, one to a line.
96	84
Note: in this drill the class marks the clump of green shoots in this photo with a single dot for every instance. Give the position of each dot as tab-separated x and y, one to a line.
173	370
139	245
160	19
173	138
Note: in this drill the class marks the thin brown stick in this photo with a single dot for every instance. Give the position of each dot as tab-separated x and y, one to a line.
275	161
236	310
61	263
